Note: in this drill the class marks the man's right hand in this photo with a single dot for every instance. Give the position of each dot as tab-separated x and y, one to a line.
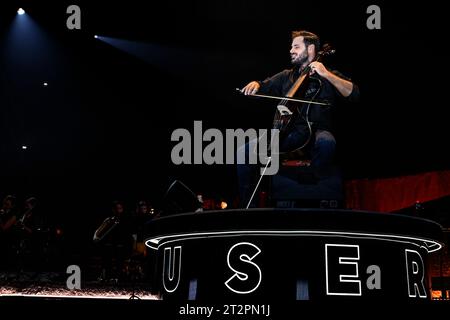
251	88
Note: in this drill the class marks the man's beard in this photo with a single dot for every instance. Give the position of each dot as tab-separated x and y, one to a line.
300	60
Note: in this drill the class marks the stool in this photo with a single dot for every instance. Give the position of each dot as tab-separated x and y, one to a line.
298	184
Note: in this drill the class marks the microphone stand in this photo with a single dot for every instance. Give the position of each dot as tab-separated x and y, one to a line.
133	273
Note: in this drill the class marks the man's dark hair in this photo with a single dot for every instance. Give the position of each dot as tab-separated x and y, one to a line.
308	38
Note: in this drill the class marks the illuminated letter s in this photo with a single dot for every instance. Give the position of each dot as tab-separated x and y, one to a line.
247	274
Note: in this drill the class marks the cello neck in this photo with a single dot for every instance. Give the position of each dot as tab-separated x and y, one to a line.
304	74
298	83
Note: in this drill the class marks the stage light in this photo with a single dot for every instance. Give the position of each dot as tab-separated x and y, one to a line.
24	147
45	84
223	205
20	11
96	36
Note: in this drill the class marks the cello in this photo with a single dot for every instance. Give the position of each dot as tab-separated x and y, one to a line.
286	112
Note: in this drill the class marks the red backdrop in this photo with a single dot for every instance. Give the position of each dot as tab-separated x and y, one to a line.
393	194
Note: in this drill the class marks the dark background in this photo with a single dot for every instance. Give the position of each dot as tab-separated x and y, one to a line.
101	129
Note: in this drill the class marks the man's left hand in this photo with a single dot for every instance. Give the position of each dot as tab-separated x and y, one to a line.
318	68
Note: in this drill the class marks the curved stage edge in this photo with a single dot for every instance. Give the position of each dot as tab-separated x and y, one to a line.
292	254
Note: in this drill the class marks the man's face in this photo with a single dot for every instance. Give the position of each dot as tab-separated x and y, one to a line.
7	204
299	52
118	209
143	209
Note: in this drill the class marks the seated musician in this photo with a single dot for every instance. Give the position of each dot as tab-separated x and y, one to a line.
115	241
8	219
313	122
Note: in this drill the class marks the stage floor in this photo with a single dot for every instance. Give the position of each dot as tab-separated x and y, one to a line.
48	285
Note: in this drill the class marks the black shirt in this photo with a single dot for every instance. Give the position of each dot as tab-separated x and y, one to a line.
315	88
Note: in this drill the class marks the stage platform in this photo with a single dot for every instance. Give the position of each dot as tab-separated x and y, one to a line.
292	254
